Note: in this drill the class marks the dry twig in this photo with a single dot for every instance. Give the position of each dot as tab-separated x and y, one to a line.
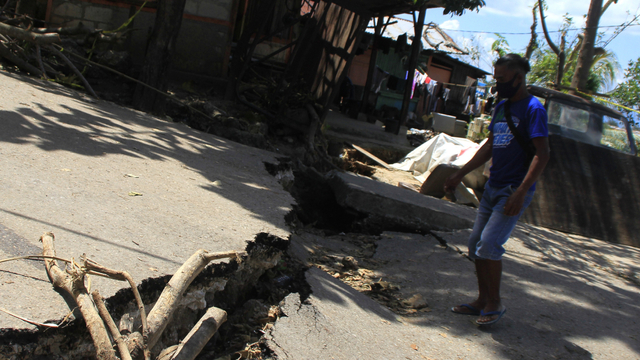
94	267
72	281
32	322
111	325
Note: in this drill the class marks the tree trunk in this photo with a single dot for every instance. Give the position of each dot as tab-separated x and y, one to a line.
533	43
416	48
256	21
158	57
585	59
559	52
561	60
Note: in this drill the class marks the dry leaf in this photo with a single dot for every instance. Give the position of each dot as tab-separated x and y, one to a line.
131	176
414	347
443	335
133	193
153	269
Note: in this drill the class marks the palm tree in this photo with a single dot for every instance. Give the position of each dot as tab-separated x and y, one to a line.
604	70
602	76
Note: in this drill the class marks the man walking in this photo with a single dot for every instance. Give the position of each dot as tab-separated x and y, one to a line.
518	144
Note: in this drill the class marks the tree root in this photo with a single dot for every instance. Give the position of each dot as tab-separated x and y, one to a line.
6	53
199	336
98	319
113	329
72	281
168	301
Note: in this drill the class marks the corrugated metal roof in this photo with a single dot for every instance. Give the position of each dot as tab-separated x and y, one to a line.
433	37
384	7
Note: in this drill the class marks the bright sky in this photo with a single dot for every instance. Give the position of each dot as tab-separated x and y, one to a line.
514	16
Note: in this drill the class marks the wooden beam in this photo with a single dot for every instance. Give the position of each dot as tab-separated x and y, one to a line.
372	157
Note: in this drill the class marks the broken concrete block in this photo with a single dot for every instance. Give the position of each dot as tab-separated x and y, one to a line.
393	207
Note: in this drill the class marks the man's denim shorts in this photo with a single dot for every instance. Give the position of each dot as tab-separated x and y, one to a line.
492	228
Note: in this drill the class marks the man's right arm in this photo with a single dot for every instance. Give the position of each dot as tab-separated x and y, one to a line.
480	158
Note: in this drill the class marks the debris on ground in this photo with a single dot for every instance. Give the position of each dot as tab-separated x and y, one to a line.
354	264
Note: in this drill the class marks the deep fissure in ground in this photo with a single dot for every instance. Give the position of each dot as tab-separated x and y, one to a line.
248	292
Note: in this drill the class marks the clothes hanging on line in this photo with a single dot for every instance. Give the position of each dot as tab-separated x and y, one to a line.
379	76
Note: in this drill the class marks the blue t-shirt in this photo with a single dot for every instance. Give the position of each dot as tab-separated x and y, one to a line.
509	164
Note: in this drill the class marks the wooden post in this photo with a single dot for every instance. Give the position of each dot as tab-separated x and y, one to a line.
364	20
416	47
372	64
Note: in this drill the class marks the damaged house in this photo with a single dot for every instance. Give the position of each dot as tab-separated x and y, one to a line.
440	83
306	42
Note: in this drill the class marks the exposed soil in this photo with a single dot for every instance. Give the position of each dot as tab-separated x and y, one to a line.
356	266
249	293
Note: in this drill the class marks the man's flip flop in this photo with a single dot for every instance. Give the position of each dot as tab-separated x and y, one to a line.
474	310
500	313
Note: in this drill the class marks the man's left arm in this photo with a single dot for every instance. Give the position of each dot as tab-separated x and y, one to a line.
540	160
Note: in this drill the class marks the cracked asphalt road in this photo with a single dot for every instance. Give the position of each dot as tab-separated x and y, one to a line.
568	297
70	165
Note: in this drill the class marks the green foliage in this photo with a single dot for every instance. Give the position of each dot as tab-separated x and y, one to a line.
628	92
455	7
500	46
544	62
544	66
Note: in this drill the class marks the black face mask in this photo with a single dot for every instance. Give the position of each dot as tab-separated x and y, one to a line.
506	90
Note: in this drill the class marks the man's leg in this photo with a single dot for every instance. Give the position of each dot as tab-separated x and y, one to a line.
491	231
482	217
489	277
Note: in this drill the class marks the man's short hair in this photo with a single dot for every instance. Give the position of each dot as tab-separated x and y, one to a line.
514	62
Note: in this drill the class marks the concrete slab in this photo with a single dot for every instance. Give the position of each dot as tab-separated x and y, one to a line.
70	166
336	322
397	206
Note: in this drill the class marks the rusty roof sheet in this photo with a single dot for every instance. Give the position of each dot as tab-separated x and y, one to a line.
384	7
433	37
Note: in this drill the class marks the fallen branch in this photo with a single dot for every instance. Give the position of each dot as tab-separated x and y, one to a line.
200	334
74	69
72	281
168	301
6	5
32	322
111	325
6	53
35	257
40	63
146	85
25	35
79	29
94	267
